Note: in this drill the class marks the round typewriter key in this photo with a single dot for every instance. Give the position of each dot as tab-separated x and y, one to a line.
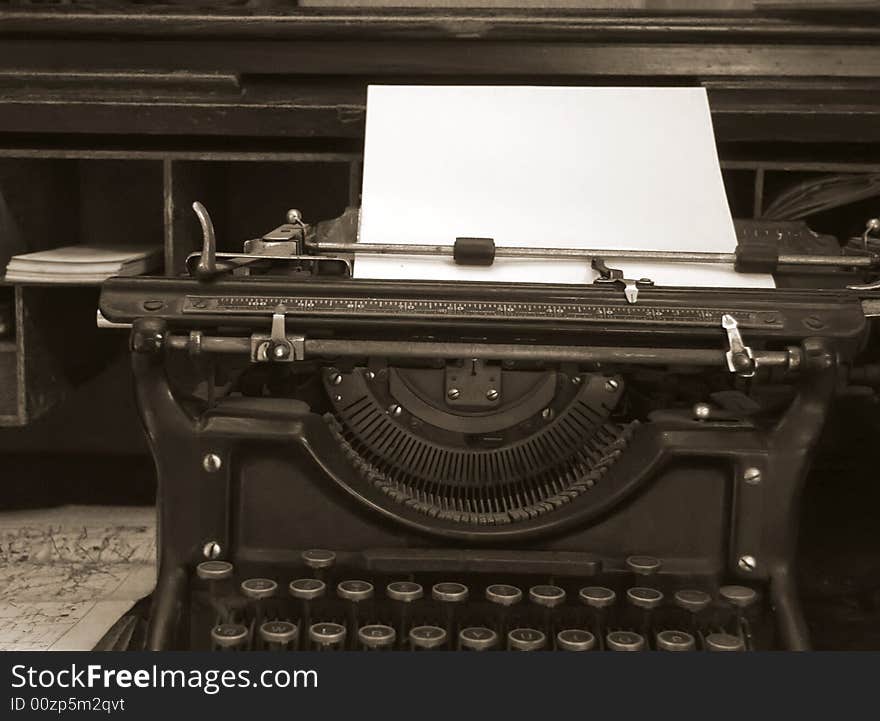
229	635
307	589
450	595
376	636
405	591
425	638
526	639
597	596
278	634
675	641
643	565
625	641
327	636
449	592
724	642
259	588
692	600
647	598
318	558
477	638
738	596
355	590
214	570
503	594
574	639
546	595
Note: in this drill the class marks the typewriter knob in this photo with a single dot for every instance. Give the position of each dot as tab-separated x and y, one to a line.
449	592
355	590
278	632
405	591
597	596
377	636
294	216
546	595
574	639
724	642
229	635
647	598
307	589
214	570
643	565
318	558
503	594
625	641
259	588
477	638
675	641
691	599
427	637
325	635
738	596
526	639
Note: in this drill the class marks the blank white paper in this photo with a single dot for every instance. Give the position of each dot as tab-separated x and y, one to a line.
603	167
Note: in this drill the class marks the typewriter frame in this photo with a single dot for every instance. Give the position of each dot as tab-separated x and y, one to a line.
196	455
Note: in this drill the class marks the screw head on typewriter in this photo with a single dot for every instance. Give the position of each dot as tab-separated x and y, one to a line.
525	460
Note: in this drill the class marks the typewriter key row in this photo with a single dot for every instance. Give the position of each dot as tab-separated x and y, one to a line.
450	615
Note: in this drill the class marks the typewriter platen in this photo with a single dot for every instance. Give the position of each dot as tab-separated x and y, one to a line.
354	464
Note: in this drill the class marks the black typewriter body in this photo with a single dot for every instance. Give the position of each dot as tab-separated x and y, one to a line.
472	436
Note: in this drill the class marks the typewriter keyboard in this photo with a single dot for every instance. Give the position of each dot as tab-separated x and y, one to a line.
328	608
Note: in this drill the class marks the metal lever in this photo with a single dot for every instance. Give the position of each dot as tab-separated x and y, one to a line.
872	226
615	275
740	358
207	267
277	347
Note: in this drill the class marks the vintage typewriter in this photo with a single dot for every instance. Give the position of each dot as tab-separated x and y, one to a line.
378	465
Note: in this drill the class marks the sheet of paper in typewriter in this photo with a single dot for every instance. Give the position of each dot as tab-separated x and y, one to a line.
590	167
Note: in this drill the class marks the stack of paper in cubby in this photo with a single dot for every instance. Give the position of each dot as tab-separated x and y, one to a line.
83	263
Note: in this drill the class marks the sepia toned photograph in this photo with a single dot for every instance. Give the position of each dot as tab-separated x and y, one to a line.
448	326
